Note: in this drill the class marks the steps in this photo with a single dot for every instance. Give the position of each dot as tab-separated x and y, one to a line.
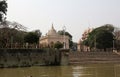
93	57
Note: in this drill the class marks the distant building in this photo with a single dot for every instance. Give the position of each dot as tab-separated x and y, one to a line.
52	37
80	46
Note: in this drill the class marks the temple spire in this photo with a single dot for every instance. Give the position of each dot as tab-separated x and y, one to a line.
52	27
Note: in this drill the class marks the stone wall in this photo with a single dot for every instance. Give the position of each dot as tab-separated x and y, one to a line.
28	57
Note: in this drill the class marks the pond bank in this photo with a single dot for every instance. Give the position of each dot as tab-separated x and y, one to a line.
28	57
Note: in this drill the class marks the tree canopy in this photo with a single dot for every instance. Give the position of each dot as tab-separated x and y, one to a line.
61	32
58	45
3	9
32	37
100	37
117	38
9	36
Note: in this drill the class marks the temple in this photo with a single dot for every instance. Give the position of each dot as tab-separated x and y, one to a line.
52	37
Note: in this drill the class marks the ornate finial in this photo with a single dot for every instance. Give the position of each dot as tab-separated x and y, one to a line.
52	26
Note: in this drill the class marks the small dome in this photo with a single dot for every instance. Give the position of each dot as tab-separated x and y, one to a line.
52	31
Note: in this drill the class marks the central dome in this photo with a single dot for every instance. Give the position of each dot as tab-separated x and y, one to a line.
52	31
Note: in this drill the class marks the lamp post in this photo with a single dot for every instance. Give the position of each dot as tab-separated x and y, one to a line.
114	40
113	44
64	28
95	43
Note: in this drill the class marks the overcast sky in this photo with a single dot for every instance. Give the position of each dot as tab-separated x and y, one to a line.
76	15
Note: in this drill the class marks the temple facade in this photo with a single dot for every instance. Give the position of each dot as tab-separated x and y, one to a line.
52	37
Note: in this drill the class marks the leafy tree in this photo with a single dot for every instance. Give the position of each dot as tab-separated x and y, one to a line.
104	40
11	32
9	36
58	45
38	33
117	38
3	9
61	32
32	37
100	37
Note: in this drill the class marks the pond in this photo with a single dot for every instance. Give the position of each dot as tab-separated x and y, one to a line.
86	70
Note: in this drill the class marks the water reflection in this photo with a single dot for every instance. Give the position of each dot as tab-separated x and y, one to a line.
82	71
97	70
93	70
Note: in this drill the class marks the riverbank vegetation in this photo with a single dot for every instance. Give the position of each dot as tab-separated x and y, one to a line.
103	37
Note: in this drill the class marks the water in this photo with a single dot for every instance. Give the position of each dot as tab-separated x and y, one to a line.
89	70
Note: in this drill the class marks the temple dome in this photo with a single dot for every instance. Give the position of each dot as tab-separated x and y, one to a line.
52	31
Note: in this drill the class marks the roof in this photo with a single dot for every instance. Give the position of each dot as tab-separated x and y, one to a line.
52	31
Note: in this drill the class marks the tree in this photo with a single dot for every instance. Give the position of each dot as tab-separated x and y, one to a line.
11	32
38	33
104	40
101	37
61	32
58	45
32	37
3	9
117	38
9	36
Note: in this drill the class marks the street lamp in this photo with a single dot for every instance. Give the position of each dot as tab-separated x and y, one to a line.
64	28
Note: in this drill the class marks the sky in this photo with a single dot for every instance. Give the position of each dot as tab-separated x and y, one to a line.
76	15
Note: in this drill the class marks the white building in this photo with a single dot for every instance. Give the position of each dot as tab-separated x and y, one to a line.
52	37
